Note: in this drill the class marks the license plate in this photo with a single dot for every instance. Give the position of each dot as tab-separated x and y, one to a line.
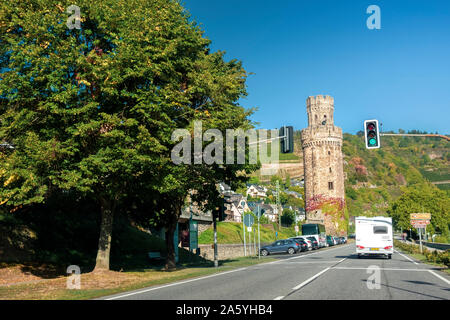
373	249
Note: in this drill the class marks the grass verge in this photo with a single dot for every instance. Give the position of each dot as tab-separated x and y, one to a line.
94	285
434	258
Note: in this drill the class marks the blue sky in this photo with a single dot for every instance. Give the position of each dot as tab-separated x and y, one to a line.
399	75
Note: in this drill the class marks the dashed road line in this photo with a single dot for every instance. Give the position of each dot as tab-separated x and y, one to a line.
440	277
304	283
279	298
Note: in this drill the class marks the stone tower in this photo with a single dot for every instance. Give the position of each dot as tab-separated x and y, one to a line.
324	172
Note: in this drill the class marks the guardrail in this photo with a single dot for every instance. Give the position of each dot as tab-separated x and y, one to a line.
434	245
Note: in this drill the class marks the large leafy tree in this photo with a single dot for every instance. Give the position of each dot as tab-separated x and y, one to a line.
422	198
92	110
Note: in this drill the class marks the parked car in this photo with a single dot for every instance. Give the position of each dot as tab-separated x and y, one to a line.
308	241
281	246
302	243
336	240
343	239
330	241
314	243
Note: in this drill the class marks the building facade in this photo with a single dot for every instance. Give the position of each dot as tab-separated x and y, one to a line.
323	165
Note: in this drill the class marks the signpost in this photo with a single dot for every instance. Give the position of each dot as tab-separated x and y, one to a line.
248	221
259	212
193	235
420	221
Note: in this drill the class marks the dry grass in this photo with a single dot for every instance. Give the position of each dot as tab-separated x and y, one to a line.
97	284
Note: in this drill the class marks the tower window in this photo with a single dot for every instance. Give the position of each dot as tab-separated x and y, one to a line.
330	169
330	186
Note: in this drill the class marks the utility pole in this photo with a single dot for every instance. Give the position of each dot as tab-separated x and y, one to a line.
278	204
243	227
259	237
216	261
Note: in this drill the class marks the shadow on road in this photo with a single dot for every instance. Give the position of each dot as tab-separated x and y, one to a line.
410	291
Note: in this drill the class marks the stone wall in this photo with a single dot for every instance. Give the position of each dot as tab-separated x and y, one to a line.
227	251
204	225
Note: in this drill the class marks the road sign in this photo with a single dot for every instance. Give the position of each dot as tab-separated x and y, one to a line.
249	220
193	235
419	224
296	228
259	213
420	221
249	229
420	216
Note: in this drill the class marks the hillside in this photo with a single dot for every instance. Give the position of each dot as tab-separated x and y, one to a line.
374	178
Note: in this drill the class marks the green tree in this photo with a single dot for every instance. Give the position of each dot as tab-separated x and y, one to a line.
288	217
422	198
93	110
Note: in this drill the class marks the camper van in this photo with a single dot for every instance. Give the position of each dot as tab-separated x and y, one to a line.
374	236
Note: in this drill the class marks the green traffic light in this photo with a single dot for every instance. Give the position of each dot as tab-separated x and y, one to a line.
372	142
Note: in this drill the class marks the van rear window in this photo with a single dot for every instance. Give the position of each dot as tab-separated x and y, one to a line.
380	230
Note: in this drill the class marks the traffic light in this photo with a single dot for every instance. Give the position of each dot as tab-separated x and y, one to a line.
287	143
372	134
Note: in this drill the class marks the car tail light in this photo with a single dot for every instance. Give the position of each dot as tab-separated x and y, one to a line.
388	247
360	247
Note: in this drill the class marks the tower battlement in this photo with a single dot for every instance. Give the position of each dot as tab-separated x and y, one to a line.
320	100
320	110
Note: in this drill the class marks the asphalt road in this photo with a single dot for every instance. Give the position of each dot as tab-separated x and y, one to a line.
334	273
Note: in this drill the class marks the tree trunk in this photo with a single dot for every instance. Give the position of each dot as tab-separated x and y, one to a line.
104	242
171	227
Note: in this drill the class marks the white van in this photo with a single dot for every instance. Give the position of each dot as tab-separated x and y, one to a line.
374	236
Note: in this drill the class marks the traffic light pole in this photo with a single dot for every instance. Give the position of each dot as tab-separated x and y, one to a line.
417	135
271	139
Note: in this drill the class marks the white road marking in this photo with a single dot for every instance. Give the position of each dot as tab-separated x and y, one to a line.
305	262
174	284
214	275
440	277
406	257
388	269
310	279
304	283
279	298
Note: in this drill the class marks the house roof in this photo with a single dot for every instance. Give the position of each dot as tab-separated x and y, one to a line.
235	198
257	187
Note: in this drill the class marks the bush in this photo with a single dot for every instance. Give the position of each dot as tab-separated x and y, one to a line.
431	256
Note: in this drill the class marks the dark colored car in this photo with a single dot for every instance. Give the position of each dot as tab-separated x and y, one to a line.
343	239
330	241
302	243
314	243
281	246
